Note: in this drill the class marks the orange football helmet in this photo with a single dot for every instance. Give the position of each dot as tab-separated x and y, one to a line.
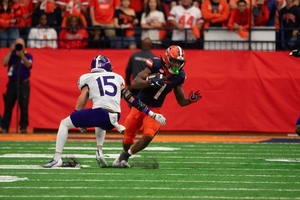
174	59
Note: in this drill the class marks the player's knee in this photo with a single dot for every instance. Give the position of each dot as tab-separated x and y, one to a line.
128	140
297	129
67	123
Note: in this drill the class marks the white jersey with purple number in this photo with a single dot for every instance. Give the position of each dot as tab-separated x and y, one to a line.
104	89
186	18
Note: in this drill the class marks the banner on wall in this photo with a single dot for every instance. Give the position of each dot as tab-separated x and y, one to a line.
242	90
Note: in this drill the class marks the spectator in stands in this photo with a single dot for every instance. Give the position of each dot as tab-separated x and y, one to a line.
272	8
102	14
26	7
215	13
97	38
74	36
278	26
240	19
153	18
10	17
185	18
260	13
290	15
74	7
233	3
124	21
138	6
42	36
137	63
166	6
45	6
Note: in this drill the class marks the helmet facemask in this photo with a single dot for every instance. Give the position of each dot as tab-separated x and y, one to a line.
175	65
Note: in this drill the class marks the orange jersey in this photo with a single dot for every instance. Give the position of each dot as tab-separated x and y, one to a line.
70	40
211	16
13	12
137	5
104	10
242	19
72	8
26	7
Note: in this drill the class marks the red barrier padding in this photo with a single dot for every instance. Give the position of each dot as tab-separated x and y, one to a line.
242	90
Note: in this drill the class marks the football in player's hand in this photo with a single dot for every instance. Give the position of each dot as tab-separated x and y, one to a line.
156	79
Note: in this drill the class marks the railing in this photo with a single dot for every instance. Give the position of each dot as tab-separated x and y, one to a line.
260	38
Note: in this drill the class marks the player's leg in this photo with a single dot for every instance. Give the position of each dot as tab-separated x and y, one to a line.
133	123
151	127
61	139
297	128
100	136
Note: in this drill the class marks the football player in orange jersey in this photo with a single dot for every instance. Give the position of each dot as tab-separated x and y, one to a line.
161	76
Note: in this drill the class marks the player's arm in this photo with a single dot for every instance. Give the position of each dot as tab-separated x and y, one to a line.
182	100
130	98
83	98
140	81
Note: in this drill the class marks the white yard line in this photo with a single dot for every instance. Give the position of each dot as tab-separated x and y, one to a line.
140	197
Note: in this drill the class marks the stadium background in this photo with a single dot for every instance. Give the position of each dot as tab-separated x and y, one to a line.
243	91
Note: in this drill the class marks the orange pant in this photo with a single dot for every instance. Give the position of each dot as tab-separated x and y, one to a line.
135	120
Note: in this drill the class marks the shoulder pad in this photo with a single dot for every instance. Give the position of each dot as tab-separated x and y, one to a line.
154	64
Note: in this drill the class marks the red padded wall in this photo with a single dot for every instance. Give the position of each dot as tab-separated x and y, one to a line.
242	90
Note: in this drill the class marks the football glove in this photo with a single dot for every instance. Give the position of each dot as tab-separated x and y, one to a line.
157	80
295	53
194	96
159	118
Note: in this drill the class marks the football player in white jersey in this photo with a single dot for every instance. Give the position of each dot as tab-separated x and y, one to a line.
184	16
105	89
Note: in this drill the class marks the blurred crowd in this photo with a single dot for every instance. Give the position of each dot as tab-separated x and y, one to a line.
124	23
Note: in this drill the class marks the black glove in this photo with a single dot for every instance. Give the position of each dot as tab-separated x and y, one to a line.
295	53
156	80
194	96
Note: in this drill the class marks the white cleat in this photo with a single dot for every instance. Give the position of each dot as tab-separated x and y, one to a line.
100	159
124	164
116	163
54	163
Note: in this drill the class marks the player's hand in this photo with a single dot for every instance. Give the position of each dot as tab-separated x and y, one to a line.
194	96
159	118
295	53
82	130
157	80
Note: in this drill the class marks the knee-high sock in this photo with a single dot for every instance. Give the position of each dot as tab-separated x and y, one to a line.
62	134
100	136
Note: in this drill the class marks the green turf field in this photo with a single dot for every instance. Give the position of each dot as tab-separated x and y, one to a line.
185	171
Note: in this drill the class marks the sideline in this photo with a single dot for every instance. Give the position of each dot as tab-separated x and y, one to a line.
162	137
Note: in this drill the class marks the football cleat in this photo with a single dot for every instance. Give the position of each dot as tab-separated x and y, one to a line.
116	163
54	163
100	159
124	164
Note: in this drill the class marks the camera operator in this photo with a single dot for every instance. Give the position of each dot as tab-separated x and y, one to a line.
19	63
